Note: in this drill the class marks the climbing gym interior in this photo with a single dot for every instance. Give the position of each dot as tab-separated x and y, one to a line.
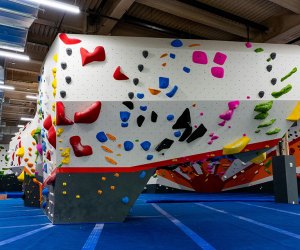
149	124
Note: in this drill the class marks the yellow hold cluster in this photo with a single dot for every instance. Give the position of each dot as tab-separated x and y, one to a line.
66	155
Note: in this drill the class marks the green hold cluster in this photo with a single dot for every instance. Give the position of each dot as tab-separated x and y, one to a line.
261	116
293	71
266	123
273	131
283	91
259	50
257	131
263	107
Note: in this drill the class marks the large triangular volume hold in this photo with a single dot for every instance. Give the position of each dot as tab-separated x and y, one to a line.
199	132
164	144
184	121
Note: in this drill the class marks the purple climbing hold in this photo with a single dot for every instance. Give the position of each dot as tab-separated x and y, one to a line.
220	58
172	92
217	72
170	117
163	82
186	69
200	57
176	43
146	145
124	115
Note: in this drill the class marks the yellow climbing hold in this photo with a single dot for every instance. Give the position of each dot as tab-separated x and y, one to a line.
54	121
64	184
77	196
237	146
54	92
66	155
20	152
53	106
64	192
21	177
55	57
54	83
59	131
54	72
61	149
60	140
295	114
259	159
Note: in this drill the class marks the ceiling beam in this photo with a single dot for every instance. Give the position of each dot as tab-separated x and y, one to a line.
199	16
292	5
23	71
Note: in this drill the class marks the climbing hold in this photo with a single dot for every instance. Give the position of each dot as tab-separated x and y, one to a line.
217	72
98	55
45	192
199	132
140	120
143	108
135	81
69	51
227	115
130	95
177	133
293	71
39	149
124	124
186	133
233	104
273	131
199	57
89	115
164	64
149	157
59	131
47	122
257	131
110	160
163	82
106	149
163	55
145	53
118	75
21	176
153	116
63	93
55	57
20	152
269	68
264	106
266	123
183	121
79	149
261	94
237	146
172	92
173	56
68	79
170	117
146	145
129	104
128	145
63	65
295	114
176	43
125	200
220	58
283	91
142	174
66	40
111	137
140	67
273	81
261	116
259	159
124	115
140	95
258	50
164	144
101	137
248	45
52	136
186	69
61	118
154	91
273	55
44	204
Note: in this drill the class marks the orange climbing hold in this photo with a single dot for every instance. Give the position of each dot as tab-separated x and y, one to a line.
110	160
154	91
111	137
194	45
119	145
26	159
103	178
29	148
116	175
29	164
112	187
163	55
164	64
106	149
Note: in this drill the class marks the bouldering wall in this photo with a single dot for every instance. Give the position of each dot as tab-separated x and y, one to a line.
4	160
115	104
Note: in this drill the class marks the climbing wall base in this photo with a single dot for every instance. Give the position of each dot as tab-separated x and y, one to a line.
10	183
93	197
31	192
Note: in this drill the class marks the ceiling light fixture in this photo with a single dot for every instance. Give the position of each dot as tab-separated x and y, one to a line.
33	97
27	119
14	55
6	87
21	126
58	5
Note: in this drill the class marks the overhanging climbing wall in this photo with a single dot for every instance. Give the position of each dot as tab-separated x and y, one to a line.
113	104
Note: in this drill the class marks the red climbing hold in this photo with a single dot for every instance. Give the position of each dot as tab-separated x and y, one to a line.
51	179
19	161
13	156
48	156
97	55
90	115
118	75
61	118
68	40
78	148
48	122
52	136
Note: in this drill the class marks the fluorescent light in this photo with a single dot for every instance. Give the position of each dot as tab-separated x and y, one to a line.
7	47
32	97
27	119
21	126
6	87
58	5
14	55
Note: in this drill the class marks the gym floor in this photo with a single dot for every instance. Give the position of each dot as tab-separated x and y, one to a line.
171	221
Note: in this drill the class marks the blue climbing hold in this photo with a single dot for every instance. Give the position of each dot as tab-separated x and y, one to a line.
186	69
142	174
44	146
172	92
140	95
128	145
143	108
124	115
176	43
45	168
149	157
177	133
163	82
125	200
170	117
44	205
172	55
45	192
101	137
43	133
124	124
146	145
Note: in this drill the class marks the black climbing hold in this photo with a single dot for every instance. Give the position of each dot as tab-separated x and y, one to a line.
153	116
273	81
69	51
140	67
135	81
145	53
199	132
184	120
129	104
140	120
187	132
68	79
63	93
130	95
269	68
164	144
273	55
261	94
63	65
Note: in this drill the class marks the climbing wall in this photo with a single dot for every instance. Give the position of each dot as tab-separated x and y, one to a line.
4	161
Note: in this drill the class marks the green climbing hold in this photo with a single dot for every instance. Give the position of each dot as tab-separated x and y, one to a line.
293	71
266	123
268	163
6	158
257	131
263	107
259	50
283	91
261	116
273	131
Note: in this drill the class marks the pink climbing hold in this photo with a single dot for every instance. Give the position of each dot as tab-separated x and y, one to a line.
210	142
211	134
248	97
222	124
39	149
248	45
200	57
214	137
227	115
217	72
201	114
233	104
220	58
